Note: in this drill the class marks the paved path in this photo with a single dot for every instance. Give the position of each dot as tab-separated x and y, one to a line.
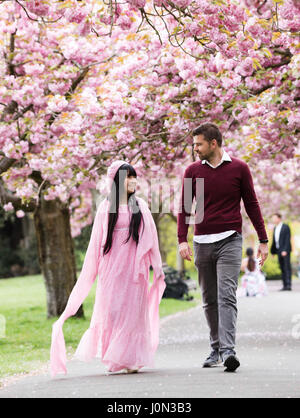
268	346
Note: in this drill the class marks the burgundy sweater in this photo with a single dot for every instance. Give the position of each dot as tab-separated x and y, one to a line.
224	187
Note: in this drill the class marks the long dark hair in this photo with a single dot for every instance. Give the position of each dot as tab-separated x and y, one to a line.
118	190
251	261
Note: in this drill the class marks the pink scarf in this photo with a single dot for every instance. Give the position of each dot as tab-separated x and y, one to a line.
147	253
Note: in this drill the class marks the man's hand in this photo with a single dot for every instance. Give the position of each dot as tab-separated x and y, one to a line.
185	251
283	253
262	253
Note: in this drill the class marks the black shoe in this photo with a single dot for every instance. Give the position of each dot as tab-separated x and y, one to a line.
212	360
231	363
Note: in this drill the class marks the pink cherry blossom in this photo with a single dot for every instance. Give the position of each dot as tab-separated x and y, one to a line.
8	207
38	7
20	213
57	103
246	68
138	3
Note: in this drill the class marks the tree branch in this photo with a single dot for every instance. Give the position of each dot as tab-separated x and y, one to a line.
37	177
76	82
8	197
22	112
37	20
9	109
10	65
71	90
6	163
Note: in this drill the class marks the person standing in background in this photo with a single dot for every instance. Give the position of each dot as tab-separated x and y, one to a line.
281	246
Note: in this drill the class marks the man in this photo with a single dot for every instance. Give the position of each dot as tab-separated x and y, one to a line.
218	236
281	246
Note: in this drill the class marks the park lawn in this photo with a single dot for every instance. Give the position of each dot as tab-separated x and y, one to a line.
27	340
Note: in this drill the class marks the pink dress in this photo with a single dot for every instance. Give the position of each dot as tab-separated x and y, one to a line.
124	326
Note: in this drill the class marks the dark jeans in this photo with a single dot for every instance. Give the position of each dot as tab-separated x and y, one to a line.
218	266
286	270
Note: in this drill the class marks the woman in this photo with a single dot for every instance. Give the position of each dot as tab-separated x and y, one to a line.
125	320
253	281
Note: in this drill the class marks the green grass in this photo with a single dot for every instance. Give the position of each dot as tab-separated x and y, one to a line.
28	332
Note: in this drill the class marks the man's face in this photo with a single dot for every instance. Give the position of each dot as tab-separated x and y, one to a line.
203	148
276	220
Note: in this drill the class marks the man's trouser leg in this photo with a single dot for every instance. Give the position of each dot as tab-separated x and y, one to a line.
286	270
218	267
207	277
229	258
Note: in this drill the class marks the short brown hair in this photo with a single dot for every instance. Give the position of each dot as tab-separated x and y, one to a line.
210	132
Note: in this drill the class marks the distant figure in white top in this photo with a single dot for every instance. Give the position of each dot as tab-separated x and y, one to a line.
253	281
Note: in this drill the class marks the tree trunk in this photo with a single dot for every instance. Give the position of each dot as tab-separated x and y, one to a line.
156	218
179	260
56	254
28	230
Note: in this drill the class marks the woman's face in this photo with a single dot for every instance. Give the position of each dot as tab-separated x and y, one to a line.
130	184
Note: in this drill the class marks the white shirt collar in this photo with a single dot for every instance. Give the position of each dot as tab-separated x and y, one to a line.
279	225
225	157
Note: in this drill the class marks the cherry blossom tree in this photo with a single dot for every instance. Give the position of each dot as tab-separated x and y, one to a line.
84	82
62	121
